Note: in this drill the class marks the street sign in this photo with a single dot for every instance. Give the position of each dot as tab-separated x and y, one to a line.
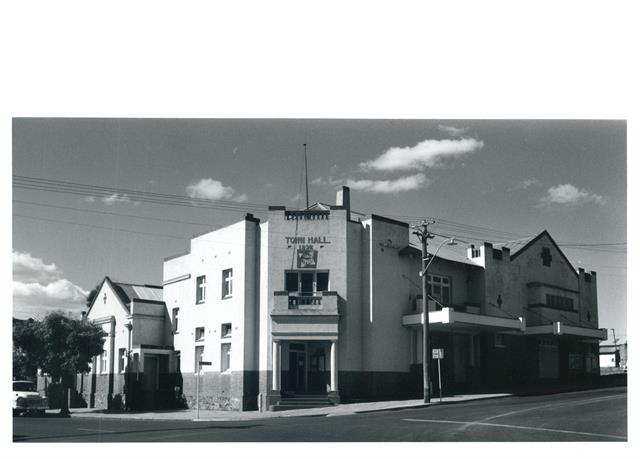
204	364
438	354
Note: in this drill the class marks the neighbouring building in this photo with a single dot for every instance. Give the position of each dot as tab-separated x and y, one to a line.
137	368
324	305
613	358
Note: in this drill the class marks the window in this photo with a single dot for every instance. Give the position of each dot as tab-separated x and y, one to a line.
103	362
498	340
199	333
199	355
546	256
306	283
227	283
175	319
225	360
225	331
122	360
440	289
201	289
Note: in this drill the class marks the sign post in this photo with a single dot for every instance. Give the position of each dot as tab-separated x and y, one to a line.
200	364
438	354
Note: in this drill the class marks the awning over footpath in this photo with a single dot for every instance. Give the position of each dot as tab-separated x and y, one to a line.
560	328
450	320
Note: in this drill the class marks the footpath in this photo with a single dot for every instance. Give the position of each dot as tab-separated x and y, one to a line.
214	415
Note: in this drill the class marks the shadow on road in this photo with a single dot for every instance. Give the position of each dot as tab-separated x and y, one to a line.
22	438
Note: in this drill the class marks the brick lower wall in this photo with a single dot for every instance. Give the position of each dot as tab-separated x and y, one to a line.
222	391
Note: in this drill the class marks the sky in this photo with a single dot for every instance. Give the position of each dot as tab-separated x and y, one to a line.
496	180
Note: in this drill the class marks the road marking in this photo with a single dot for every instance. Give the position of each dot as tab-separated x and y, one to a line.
98	430
554	405
509	426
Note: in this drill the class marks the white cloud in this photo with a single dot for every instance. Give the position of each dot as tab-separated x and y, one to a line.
38	288
27	267
326	181
116	199
453	131
425	154
527	183
213	189
89	199
411	182
568	194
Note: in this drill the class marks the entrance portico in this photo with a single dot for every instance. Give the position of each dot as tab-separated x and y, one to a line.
305	367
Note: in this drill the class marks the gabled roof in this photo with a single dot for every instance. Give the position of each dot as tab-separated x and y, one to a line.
445	254
128	292
319	206
522	246
516	245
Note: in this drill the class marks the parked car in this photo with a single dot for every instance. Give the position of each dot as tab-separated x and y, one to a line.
26	399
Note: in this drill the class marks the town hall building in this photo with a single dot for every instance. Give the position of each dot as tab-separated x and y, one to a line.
324	305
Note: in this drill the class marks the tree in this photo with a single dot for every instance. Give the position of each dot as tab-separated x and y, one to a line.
59	345
27	348
92	294
70	345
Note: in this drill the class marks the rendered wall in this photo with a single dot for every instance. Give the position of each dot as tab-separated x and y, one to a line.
232	247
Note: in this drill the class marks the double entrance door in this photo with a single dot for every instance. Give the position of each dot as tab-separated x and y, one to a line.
306	370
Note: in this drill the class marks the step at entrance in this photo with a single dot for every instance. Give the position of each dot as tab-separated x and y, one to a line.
302	401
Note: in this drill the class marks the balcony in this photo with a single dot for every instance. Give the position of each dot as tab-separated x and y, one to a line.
304	317
288	303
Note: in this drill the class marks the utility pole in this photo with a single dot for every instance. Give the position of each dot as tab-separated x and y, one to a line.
422	231
306	175
615	344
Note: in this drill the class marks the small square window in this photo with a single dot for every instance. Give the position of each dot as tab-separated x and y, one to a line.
498	340
225	331
199	333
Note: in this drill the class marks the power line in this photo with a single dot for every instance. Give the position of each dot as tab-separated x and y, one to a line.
101	227
75	209
461	230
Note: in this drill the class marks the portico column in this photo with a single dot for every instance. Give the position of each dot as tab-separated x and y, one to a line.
334	366
275	359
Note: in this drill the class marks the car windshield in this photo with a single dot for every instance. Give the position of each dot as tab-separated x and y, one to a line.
24	386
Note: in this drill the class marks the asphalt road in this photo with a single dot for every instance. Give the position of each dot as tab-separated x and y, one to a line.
595	415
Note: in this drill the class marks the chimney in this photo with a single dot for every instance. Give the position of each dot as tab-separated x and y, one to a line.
343	199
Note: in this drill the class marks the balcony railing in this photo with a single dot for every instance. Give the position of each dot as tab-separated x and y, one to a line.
306	215
323	302
296	301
